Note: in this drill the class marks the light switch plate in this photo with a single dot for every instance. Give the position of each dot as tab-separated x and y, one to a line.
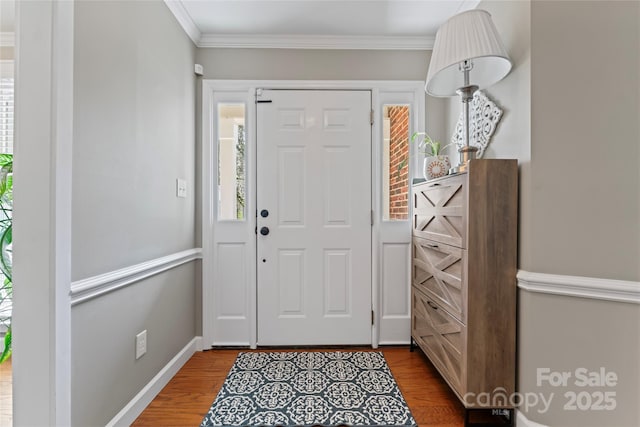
141	344
181	188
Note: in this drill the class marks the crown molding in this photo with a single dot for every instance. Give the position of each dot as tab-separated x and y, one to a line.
281	41
7	39
184	19
293	41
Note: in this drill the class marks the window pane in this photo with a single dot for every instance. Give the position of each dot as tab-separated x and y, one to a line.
6	110
231	162
395	162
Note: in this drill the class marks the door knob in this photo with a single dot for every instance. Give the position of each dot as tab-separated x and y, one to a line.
264	213
264	231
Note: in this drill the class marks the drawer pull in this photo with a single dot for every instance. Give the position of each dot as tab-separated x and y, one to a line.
432	246
432	305
435	184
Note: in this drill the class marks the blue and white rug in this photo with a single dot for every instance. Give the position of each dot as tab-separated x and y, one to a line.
309	389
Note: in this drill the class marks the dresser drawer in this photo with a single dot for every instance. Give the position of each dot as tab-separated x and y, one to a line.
441	337
438	210
438	271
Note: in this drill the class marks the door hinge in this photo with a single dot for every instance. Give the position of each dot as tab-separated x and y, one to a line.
371	217
373	318
371	117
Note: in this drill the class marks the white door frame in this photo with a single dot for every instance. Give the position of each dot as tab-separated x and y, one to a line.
381	92
42	212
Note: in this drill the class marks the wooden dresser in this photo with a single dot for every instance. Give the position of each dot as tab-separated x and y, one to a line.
464	279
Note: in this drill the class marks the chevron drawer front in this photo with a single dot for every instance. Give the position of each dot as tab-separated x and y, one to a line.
438	211
437	271
464	278
442	339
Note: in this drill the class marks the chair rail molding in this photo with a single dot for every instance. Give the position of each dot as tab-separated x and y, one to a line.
95	286
577	286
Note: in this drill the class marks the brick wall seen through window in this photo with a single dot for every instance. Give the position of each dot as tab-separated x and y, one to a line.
398	162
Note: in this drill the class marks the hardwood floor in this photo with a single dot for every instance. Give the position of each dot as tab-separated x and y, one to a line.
189	395
6	411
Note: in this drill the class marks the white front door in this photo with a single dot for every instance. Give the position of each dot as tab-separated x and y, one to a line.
314	201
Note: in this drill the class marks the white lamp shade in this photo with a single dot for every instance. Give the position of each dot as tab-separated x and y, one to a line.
471	36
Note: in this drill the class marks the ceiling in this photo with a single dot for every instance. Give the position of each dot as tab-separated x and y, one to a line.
306	24
320	24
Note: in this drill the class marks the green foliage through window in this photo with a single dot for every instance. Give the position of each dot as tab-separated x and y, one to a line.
6	244
240	176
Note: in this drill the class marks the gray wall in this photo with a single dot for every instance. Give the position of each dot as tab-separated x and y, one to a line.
106	376
313	64
571	119
585	197
585	115
564	334
134	134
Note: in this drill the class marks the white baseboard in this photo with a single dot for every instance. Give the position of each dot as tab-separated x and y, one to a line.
134	408
522	421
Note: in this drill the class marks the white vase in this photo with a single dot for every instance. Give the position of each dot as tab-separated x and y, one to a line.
435	167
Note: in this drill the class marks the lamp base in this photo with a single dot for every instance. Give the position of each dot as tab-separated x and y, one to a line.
467	153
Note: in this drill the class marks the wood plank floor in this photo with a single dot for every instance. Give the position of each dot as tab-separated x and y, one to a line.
6	394
189	395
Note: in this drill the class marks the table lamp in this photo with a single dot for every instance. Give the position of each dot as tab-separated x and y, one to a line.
467	55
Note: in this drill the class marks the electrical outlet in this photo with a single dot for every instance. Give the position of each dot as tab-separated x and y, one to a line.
141	344
181	188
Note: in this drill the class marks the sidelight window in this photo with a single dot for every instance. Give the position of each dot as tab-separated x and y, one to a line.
395	157
232	163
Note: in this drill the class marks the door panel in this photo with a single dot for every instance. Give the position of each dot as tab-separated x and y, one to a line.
337	282
291	283
314	179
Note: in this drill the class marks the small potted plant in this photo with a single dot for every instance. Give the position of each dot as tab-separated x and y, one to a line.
435	164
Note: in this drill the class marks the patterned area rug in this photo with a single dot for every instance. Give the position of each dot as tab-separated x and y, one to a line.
309	389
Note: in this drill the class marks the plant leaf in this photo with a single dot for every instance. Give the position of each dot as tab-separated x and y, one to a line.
416	134
6	161
5	252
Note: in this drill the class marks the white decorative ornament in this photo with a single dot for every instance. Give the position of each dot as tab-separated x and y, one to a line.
484	116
